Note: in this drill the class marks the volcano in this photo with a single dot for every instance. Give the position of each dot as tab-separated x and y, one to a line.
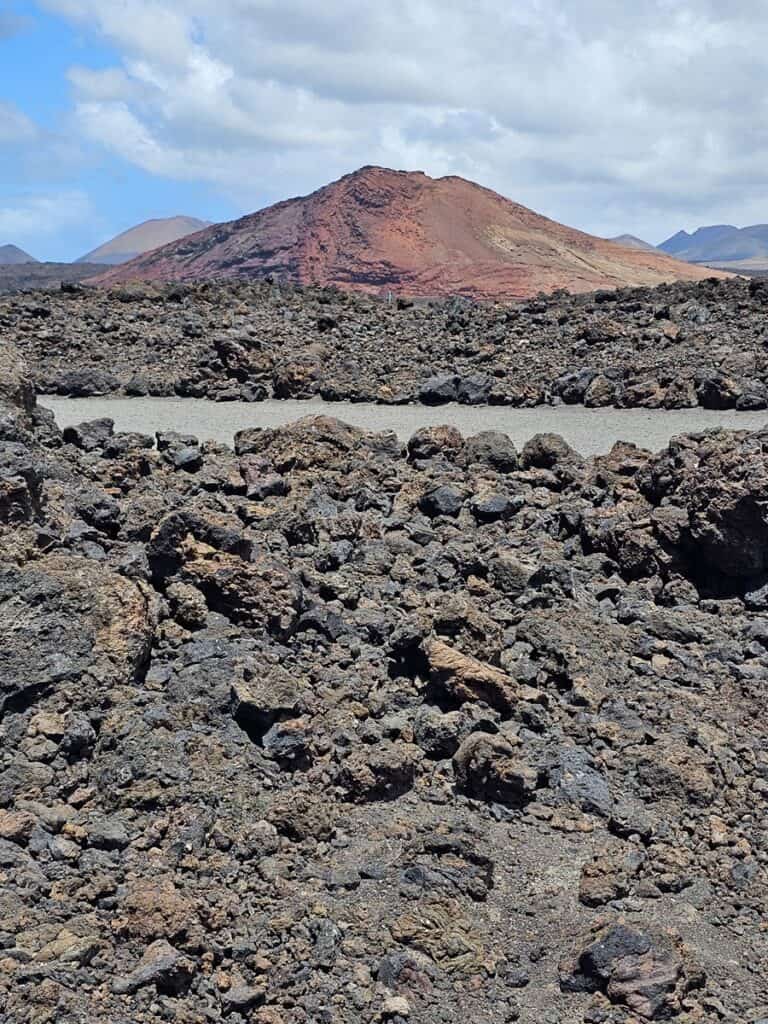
143	238
401	232
12	255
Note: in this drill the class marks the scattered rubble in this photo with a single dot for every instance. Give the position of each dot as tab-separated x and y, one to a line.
316	750
672	347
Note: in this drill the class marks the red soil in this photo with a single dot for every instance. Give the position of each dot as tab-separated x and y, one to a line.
380	231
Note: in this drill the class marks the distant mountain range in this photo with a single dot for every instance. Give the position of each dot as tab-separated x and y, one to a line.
11	255
379	230
143	238
722	245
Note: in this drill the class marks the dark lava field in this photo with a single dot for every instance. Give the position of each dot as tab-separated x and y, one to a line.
672	347
330	728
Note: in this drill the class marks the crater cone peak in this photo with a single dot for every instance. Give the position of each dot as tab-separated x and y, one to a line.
384	231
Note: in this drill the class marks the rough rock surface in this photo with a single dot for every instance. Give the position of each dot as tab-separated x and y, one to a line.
669	347
308	753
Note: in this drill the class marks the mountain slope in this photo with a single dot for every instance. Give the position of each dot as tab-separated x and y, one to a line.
143	238
10	255
379	230
722	244
633	242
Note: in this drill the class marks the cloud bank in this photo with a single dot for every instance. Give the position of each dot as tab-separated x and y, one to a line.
38	217
642	117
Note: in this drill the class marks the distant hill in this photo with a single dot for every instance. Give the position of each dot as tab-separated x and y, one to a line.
11	255
722	245
379	230
143	238
633	242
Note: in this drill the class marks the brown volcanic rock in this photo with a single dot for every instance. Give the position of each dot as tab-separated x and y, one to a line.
444	790
379	230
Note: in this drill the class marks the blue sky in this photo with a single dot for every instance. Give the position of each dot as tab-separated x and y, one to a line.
641	118
37	48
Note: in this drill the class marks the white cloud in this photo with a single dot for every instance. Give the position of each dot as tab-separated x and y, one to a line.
15	127
613	117
43	216
103	83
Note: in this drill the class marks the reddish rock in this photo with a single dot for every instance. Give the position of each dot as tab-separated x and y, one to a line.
379	231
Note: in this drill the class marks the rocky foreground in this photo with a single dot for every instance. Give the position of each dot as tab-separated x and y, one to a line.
670	347
327	730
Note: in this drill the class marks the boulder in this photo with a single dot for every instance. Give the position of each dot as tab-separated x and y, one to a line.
510	573
571	386
545	451
91	435
81	620
753	397
462	678
261	593
429	442
609	874
722	483
262	698
154	909
438	734
16	388
443	500
716	390
490	507
314	442
680	394
643	973
474	390
602	391
674	770
574	780
488	768
439	389
163	966
21	483
86	382
492	448
382	772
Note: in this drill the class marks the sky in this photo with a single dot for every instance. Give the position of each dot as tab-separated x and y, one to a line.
642	118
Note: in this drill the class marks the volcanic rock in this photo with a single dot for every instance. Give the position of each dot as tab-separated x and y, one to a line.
647	978
318	753
487	767
465	679
181	340
162	966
